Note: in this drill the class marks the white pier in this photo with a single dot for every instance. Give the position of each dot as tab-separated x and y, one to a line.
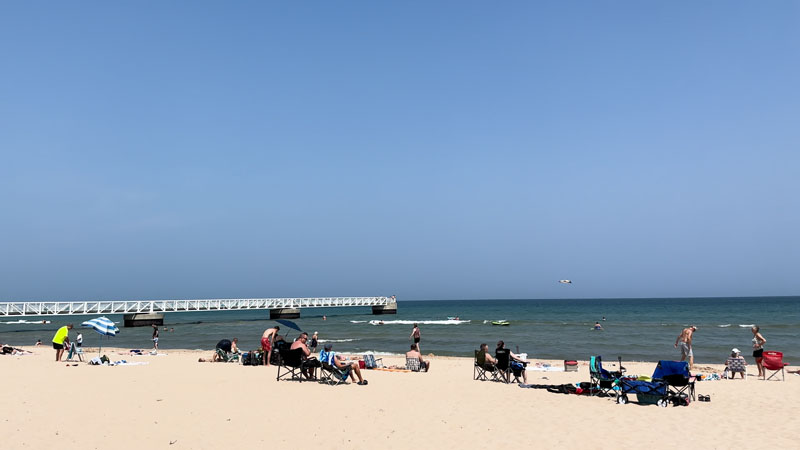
146	312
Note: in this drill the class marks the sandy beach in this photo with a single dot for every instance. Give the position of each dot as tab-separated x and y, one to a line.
176	402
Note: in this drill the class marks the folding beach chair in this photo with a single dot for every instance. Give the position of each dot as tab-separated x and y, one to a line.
371	362
329	373
291	361
773	361
602	380
734	366
482	367
680	383
79	352
503	365
227	357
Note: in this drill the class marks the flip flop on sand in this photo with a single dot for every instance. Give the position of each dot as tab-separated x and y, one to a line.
362	383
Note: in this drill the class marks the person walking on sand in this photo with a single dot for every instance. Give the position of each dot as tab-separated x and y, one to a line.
61	339
758	350
267	339
685	341
415	335
155	338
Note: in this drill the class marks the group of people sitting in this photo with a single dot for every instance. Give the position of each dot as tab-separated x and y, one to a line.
310	363
516	364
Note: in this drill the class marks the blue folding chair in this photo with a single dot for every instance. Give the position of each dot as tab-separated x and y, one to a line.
680	383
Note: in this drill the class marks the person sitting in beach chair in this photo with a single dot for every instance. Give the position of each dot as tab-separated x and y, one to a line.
515	365
735	364
335	367
414	361
226	351
484	362
309	363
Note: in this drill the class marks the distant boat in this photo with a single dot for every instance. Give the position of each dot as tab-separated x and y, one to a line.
565	281
502	323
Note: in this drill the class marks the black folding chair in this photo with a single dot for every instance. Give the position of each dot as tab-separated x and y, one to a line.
503	365
483	370
291	361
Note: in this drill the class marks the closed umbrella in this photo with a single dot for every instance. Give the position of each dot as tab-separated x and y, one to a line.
102	325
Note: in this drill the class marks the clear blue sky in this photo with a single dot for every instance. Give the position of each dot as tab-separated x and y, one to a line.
426	149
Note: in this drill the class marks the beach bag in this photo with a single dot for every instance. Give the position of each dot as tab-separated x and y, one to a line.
246	358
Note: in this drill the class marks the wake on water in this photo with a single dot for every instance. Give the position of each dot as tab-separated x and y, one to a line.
28	321
412	322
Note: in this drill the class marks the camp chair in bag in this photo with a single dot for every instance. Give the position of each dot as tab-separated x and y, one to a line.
291	361
773	361
227	357
680	383
482	367
503	365
602	380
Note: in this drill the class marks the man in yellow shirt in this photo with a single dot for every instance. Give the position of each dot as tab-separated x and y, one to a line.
61	338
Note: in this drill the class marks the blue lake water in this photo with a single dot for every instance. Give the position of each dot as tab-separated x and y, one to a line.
635	329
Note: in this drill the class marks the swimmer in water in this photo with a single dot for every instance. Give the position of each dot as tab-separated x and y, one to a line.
597	326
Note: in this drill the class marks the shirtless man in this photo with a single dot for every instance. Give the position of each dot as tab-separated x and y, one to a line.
308	363
685	342
488	359
414	353
267	340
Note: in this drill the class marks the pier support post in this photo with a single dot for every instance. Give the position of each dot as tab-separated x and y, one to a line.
390	308
284	313
143	320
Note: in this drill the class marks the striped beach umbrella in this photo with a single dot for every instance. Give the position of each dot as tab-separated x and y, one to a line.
102	325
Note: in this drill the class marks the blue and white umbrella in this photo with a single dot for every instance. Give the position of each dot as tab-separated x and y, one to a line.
102	325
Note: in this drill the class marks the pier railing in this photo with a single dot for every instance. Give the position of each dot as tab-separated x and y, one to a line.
163	306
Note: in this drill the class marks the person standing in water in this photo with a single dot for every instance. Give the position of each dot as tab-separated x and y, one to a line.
758	350
415	335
